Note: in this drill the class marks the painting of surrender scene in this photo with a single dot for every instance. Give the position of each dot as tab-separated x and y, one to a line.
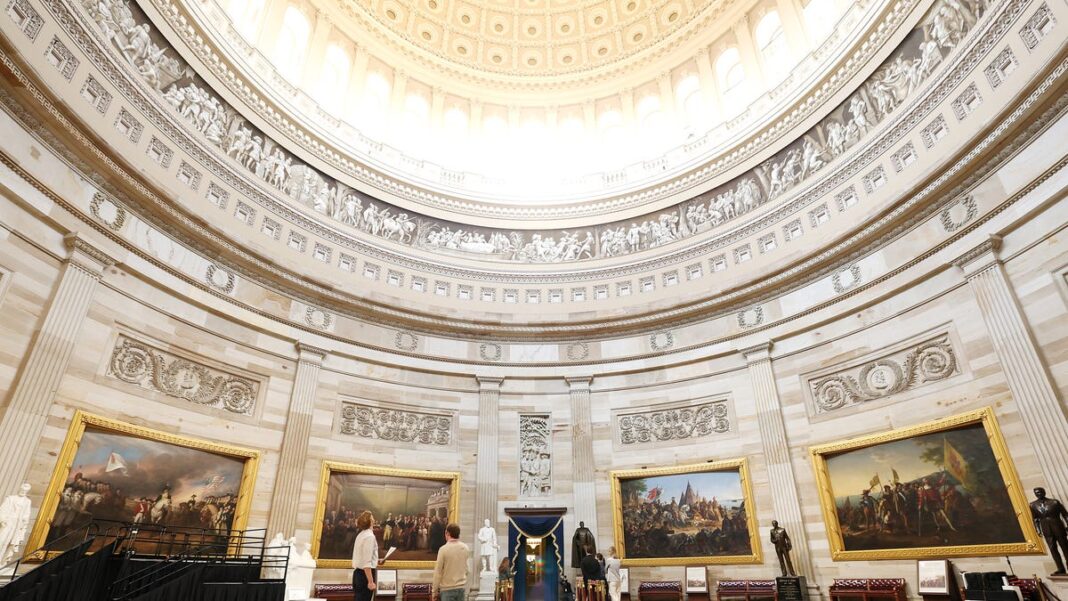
124	473
946	488
411	509
688	514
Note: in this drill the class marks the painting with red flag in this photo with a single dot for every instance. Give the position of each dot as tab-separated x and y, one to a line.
940	489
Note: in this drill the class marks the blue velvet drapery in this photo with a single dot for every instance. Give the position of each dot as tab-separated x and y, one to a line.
550	529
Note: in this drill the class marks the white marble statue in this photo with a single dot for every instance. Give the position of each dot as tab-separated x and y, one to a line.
276	549
487	548
301	571
14	520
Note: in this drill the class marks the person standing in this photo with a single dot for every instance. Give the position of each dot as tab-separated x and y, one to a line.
612	575
365	559
451	567
591	573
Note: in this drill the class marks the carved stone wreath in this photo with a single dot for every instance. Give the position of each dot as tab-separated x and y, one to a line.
490	351
139	364
109	213
220	279
845	279
397	425
577	351
970	211
674	424
927	362
751	317
405	340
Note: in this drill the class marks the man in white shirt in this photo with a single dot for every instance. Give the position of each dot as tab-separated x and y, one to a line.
365	559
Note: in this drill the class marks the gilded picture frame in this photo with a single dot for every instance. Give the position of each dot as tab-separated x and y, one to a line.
990	455
76	432
741	480
330	468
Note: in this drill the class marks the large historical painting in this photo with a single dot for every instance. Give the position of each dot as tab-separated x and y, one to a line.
942	489
110	472
411	509
687	515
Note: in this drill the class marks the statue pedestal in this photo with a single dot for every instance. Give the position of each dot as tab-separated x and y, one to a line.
791	588
1058	584
487	584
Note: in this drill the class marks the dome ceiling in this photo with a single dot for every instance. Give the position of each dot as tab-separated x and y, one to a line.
553	104
533	37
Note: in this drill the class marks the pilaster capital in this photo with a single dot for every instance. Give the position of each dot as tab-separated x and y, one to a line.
307	353
755	353
578	382
980	257
86	255
489	382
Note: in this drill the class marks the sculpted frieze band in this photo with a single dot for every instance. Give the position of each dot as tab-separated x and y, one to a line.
677	423
929	361
151	368
395	424
134	39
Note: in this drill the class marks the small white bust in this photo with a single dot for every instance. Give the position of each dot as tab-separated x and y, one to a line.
487	548
14	521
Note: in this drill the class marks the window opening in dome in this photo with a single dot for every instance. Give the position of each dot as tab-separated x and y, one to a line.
292	42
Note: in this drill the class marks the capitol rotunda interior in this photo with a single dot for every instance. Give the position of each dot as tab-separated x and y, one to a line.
769	297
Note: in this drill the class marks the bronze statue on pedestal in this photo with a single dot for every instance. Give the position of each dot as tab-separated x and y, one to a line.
781	539
1050	517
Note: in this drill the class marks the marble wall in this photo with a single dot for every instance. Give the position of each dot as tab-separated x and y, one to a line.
127	304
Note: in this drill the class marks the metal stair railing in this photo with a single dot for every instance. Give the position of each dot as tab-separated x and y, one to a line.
227	552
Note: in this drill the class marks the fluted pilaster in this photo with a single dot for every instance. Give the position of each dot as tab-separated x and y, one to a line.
582	464
1025	371
783	485
294	453
35	389
487	464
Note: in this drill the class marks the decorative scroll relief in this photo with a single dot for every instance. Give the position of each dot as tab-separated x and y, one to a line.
399	425
932	360
535	456
679	423
134	40
154	369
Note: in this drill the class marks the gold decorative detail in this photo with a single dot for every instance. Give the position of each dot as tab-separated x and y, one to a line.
330	467
984	416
